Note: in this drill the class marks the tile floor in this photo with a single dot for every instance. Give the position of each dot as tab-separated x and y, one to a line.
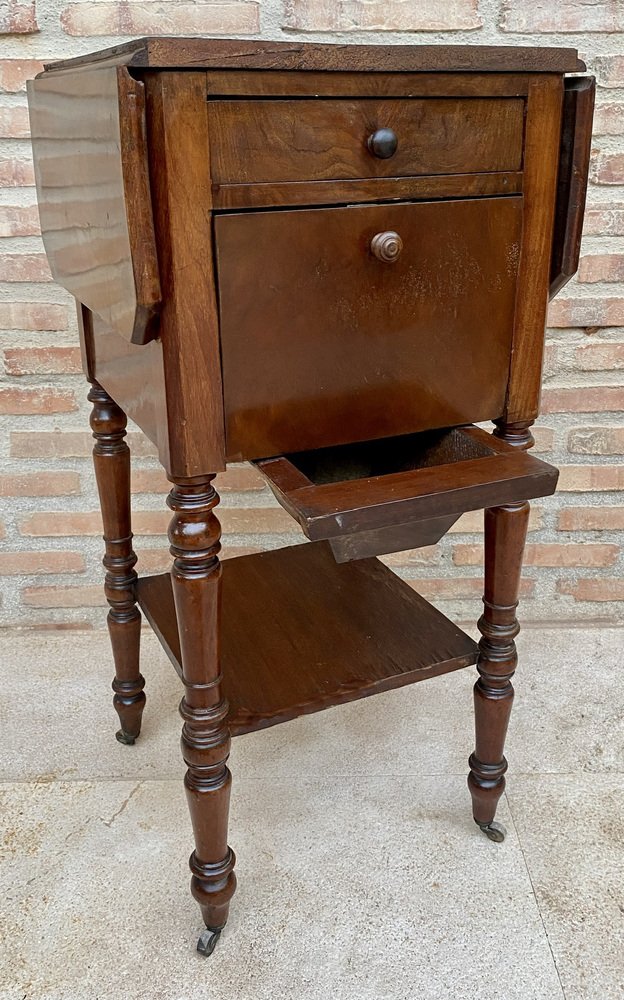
361	873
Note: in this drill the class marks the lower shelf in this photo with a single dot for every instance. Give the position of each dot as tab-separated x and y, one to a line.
301	633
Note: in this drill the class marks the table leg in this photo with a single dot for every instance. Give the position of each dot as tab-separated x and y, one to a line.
111	458
505	534
196	578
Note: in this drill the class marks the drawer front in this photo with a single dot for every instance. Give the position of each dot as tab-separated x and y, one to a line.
276	141
322	342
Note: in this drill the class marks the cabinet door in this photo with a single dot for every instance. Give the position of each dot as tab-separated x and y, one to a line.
324	342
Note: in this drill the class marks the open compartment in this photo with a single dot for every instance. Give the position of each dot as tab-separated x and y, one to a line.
387	495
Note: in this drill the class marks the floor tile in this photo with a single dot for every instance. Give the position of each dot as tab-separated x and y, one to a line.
375	889
571	828
60	684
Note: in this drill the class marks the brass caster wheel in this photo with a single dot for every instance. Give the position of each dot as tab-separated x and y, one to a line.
207	941
125	738
493	831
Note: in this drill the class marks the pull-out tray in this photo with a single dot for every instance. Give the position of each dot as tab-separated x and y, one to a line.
397	493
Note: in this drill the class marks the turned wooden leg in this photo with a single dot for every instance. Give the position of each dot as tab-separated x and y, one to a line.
505	533
111	458
196	578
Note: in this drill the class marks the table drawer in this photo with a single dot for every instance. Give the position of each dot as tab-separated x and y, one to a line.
266	141
323	342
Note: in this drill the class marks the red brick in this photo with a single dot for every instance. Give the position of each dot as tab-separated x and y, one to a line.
602	267
63	597
235	520
152	18
32	316
42	360
19	220
159	560
586	312
381	15
609	119
16	173
36	401
57	524
24	267
149	481
562	16
591	519
15	72
472	522
427	556
607	168
39	484
51	444
18	17
68	444
544	439
468	523
462	587
599	357
14	123
590	399
604	220
609	71
239	479
36	563
547	554
256	521
593	590
590	478
596	441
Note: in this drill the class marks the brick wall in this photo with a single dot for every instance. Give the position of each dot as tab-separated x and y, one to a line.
49	526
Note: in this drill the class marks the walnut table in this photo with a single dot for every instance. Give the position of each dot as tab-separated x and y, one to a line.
331	261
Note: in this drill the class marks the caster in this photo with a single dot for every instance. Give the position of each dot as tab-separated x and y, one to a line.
493	831
125	738
207	941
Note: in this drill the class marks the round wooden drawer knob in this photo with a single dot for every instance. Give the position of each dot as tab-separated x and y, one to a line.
387	246
383	143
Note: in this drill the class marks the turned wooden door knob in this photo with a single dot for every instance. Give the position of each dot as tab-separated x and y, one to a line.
383	143
387	246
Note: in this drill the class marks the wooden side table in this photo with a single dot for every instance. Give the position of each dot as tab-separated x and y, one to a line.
331	261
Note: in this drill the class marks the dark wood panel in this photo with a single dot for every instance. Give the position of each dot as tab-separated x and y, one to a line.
180	171
300	633
90	157
135	378
205	53
229	196
541	159
277	141
322	343
390	538
277	83
576	132
375	485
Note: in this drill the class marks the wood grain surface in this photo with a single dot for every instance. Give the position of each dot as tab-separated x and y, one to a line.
541	163
300	633
576	133
322	343
226	53
90	155
282	140
234	196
